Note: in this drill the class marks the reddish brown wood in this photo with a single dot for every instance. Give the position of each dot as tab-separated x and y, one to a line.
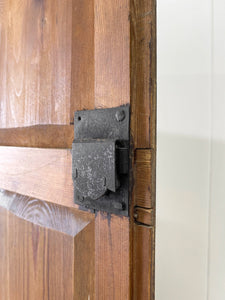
57	57
112	246
45	250
35	62
144	178
143	260
143	72
112	53
40	136
144	216
83	77
112	88
143	126
41	173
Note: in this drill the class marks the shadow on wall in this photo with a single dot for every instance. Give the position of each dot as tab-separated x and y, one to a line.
182	211
183	193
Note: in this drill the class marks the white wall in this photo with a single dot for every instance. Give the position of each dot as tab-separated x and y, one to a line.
190	246
217	205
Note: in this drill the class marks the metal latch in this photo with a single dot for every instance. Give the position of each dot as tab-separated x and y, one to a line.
101	159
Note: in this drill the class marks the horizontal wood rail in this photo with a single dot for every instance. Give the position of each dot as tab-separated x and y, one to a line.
45	174
40	136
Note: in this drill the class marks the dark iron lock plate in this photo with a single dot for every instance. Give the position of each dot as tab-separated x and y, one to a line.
101	159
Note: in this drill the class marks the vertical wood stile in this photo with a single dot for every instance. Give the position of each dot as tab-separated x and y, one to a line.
143	128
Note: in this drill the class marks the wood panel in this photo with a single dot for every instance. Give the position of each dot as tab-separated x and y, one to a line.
112	257
112	88
112	53
83	76
45	174
35	62
82	55
41	255
40	136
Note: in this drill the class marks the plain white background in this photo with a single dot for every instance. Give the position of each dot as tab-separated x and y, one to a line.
190	239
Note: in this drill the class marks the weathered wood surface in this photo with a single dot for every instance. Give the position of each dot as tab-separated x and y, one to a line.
40	136
143	72
83	63
143	263
112	53
144	216
45	174
45	250
35	62
113	248
61	56
144	163
112	88
143	126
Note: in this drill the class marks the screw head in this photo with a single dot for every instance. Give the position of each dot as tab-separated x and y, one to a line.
135	215
75	174
80	198
118	205
120	115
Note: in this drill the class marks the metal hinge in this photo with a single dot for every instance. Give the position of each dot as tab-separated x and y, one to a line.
101	159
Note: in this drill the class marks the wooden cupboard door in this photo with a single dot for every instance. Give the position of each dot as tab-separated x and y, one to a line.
59	56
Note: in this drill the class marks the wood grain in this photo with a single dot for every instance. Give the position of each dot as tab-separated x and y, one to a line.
143	263
40	136
144	185
57	57
45	174
44	248
112	53
35	62
143	132
112	88
143	72
144	216
82	76
125	72
112	257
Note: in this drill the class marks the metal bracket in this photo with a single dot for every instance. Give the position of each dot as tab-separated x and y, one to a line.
101	159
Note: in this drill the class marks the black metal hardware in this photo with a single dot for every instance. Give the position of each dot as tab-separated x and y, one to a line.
101	159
